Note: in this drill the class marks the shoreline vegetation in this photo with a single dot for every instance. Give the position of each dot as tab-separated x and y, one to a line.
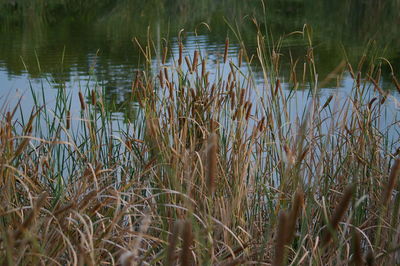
214	170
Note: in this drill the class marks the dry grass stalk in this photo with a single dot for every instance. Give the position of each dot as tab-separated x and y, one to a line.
165	53
180	53
31	217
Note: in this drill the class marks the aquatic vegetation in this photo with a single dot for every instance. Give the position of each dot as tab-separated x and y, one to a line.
214	168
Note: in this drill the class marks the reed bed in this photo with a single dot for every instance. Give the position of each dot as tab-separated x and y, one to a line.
215	170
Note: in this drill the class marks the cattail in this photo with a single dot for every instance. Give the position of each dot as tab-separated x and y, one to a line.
392	181
165	52
187	240
232	94
226	49
180	53
248	110
327	102
280	240
203	67
171	90
297	204
212	150
135	84
240	57
213	88
357	253
195	60
188	64
161	76
358	79
233	83
68	126
94	100
396	83
206	77
241	98
82	100
172	242
166	74
338	214
261	124
277	85
371	102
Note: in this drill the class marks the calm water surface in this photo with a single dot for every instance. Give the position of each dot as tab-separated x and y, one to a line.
55	49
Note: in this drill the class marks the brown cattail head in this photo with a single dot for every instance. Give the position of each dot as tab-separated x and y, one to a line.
82	101
161	76
394	172
135	84
94	100
203	68
241	98
358	79
327	102
172	242
188	64
338	214
280	240
298	202
277	86
226	49
357	252
68	126
212	161
232	94
187	239
195	60
248	110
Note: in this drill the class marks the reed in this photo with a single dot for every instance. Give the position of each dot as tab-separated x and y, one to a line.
212	168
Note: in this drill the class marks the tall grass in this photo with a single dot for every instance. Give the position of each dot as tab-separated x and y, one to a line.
215	169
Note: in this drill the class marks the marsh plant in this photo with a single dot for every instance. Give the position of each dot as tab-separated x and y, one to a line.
216	168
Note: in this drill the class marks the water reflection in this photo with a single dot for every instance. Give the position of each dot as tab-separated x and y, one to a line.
63	46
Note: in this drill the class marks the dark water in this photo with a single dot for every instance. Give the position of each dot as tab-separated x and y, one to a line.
73	45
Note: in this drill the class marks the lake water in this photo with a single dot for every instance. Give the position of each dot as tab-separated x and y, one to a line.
52	49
